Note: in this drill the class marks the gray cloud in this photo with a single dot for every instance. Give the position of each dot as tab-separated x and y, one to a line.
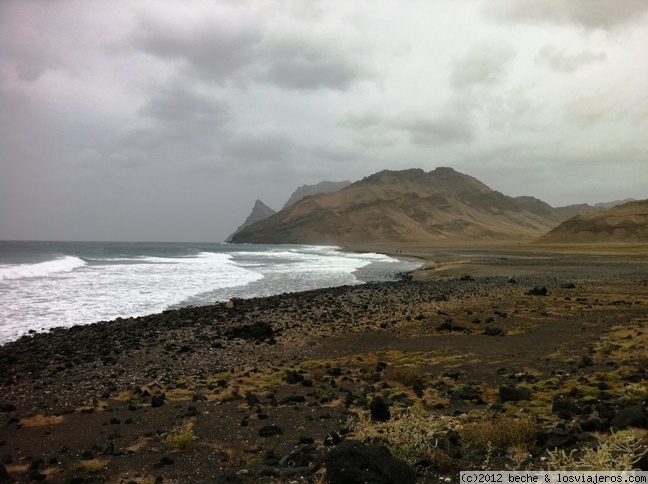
218	49
568	63
260	146
484	63
181	104
167	120
591	14
439	131
214	51
299	65
587	110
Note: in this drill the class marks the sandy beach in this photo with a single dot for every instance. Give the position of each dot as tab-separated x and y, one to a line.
547	343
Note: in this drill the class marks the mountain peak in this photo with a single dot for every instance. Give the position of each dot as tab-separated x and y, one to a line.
406	206
260	211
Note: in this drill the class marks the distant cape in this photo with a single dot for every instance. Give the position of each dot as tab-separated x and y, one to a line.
260	211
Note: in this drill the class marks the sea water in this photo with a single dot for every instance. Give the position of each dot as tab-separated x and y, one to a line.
61	284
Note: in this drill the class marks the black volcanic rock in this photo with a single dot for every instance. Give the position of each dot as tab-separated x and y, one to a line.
353	462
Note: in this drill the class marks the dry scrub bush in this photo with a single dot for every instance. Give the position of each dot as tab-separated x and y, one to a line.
181	436
501	432
408	436
619	452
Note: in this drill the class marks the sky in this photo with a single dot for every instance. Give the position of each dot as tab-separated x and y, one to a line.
166	120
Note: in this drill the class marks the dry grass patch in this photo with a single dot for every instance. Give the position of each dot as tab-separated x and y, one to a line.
181	437
615	452
138	445
408	436
92	466
501	431
41	421
406	375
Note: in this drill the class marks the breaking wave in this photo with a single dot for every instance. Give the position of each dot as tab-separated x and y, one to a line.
41	269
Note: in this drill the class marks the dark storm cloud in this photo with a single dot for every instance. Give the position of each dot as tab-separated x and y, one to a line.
484	63
591	14
219	50
568	63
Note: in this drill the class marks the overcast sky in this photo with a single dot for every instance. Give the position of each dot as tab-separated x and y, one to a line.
163	120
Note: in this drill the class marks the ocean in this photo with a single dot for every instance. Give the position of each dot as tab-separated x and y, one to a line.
44	285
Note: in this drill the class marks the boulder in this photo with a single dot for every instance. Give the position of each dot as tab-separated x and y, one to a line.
513	394
270	430
257	331
465	393
493	331
634	416
379	409
538	291
353	462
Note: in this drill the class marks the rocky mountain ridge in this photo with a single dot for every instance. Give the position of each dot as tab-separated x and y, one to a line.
407	206
321	187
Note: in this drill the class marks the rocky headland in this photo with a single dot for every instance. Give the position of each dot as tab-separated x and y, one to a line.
543	368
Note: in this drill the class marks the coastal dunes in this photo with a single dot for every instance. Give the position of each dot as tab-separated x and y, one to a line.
496	371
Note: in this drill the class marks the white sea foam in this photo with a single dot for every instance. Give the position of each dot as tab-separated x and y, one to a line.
108	284
105	292
41	269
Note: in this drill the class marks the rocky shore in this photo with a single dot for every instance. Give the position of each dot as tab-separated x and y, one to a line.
415	378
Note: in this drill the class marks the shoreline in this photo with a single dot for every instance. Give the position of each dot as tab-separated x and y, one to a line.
109	394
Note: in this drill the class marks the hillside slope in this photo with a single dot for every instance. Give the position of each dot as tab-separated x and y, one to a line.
620	224
409	206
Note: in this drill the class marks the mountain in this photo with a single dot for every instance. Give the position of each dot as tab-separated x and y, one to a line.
321	187
409	206
627	222
570	211
259	212
614	203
